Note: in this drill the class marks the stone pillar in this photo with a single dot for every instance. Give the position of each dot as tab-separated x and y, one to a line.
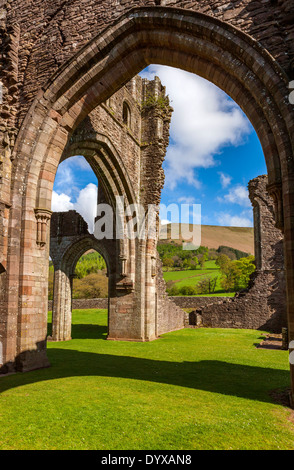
61	306
150	288
288	225
269	247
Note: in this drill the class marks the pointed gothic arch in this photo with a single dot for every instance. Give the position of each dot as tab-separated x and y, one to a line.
190	40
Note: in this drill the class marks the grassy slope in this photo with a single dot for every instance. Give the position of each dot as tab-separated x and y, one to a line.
191	277
191	389
212	236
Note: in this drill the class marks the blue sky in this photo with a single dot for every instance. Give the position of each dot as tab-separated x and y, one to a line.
213	153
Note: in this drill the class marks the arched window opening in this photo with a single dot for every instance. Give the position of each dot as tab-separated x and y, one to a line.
126	114
76	189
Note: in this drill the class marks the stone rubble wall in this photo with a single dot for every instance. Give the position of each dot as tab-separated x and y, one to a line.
261	307
187	302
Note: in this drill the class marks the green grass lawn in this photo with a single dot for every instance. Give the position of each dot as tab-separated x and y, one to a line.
191	277
191	389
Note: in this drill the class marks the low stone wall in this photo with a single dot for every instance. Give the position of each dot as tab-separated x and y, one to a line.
85	303
181	302
260	307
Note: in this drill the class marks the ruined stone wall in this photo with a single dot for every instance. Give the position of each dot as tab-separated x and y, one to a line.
263	304
107	120
262	307
69	230
156	117
69	240
169	316
197	303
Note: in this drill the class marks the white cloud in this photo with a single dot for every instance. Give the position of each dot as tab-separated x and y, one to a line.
80	162
224	179
228	220
86	204
187	200
204	121
238	195
64	177
61	202
66	174
164	221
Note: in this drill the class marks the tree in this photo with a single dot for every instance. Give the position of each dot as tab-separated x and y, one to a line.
187	290
223	262
168	262
193	264
196	261
246	267
90	287
88	264
201	260
227	250
174	290
230	280
212	254
236	274
207	285
186	264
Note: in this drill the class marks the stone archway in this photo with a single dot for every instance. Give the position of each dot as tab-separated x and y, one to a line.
65	250
190	40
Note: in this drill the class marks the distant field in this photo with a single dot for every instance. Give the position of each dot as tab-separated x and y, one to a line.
191	277
212	236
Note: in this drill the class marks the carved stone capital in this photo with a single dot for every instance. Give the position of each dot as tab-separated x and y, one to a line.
126	285
42	217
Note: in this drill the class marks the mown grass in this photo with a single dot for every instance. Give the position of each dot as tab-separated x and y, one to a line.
191	389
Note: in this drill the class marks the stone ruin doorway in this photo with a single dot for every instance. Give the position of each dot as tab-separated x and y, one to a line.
70	240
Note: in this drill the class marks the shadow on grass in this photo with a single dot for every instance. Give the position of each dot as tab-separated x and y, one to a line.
88	331
215	376
85	331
